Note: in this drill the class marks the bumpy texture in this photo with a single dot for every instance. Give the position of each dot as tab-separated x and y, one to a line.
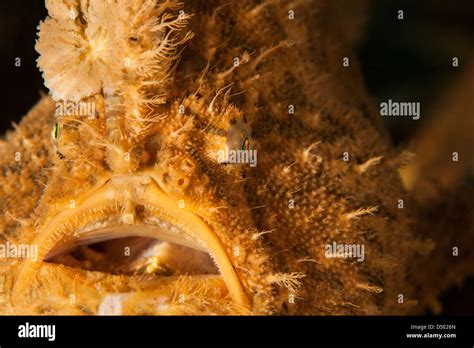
325	172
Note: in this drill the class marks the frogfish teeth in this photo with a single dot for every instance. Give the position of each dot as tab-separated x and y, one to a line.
114	190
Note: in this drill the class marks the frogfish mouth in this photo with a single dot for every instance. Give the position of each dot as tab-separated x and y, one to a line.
129	236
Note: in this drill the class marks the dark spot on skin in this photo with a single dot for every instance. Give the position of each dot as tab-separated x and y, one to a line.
188	165
139	210
60	155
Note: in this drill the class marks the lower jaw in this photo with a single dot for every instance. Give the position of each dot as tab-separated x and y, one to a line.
61	290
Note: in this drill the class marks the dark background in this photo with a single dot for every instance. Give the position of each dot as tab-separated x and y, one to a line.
406	60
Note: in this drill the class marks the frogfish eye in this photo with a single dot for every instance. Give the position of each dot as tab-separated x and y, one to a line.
238	136
55	131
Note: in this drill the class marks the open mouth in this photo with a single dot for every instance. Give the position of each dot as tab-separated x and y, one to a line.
128	248
135	256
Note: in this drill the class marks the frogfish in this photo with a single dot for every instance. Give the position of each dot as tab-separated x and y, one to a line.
216	158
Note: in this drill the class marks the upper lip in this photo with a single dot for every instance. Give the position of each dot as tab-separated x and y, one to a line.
113	203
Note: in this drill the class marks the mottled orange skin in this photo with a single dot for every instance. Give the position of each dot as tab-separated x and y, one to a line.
281	262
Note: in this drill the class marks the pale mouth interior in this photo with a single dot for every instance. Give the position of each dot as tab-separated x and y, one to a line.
135	250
